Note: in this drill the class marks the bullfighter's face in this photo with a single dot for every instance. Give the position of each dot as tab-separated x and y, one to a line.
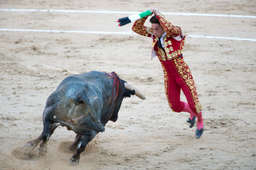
157	30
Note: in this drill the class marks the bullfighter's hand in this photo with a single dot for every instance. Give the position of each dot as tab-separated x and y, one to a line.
155	11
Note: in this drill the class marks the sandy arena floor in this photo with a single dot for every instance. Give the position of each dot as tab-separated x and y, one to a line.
147	135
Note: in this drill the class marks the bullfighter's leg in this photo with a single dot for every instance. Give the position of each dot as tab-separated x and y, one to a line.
173	90
83	141
193	106
174	85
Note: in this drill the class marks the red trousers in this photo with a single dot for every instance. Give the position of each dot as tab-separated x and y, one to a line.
178	77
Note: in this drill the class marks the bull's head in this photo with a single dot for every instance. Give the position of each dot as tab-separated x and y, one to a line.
82	112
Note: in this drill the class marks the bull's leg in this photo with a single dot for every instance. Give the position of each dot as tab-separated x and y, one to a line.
43	138
75	143
49	127
31	145
83	141
48	121
46	134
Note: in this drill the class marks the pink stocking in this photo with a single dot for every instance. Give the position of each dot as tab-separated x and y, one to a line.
189	110
200	123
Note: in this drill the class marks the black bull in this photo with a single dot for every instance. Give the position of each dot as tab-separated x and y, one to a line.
83	103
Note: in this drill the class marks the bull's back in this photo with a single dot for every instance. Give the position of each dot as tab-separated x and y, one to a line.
96	78
93	78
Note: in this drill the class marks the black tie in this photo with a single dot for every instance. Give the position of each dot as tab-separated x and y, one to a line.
160	44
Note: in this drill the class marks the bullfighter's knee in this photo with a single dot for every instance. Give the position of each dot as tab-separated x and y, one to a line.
177	107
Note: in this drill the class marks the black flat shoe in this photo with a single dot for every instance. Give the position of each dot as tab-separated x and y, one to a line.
199	133
191	121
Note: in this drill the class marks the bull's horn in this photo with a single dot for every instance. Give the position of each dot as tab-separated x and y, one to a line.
137	92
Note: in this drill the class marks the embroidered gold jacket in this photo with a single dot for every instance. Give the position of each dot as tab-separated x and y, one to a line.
172	51
172	47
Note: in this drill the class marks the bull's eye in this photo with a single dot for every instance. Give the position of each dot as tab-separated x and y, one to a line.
80	102
77	102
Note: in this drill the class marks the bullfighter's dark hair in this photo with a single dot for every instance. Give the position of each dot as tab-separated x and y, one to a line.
154	20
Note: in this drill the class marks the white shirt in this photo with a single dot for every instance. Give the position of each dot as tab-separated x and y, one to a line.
178	38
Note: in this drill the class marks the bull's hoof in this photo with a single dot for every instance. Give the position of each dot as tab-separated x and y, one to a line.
24	153
199	133
29	147
191	122
31	144
74	161
42	151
